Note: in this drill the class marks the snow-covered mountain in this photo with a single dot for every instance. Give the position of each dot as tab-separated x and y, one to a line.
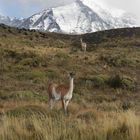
43	21
81	16
4	20
15	22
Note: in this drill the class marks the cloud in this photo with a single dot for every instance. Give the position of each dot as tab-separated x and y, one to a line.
131	6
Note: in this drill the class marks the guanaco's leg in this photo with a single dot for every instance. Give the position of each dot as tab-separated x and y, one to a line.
51	103
63	104
66	105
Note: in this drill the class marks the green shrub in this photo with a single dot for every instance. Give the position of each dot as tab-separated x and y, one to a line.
116	60
52	74
87	116
129	83
20	56
126	105
31	75
25	33
115	81
123	82
104	98
38	74
19	68
26	111
5	95
23	95
102	81
32	62
95	80
62	55
77	98
11	54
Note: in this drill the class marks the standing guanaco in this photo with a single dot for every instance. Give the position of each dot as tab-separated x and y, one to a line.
61	92
83	45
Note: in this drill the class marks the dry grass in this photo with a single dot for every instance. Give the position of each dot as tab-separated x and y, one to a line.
105	104
55	126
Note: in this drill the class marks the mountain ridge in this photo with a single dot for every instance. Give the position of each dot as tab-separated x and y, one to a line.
79	17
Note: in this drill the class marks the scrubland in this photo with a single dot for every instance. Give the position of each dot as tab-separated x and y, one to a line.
106	98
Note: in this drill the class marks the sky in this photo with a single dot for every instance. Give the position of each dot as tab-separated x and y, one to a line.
25	8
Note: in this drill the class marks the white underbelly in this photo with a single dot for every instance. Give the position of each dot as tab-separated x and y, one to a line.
68	96
56	95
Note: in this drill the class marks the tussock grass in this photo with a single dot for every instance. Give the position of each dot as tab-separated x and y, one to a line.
122	125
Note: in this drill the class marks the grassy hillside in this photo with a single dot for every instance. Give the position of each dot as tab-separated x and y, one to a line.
105	104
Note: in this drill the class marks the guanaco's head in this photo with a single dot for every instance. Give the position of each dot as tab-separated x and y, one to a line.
71	74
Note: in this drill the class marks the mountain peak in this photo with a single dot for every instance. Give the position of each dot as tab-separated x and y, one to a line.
81	16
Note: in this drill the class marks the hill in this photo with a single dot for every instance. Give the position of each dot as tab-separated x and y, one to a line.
105	102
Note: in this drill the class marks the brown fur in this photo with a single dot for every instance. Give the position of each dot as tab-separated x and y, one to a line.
50	86
62	89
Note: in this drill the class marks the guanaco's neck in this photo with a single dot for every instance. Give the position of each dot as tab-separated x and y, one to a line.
81	40
71	86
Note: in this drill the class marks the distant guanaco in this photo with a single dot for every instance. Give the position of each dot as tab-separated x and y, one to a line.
61	92
83	45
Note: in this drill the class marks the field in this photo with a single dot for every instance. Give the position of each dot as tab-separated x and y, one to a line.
106	98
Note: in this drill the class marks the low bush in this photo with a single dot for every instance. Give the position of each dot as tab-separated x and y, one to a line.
31	75
26	111
97	81
31	62
62	55
51	74
87	116
23	95
116	60
115	81
124	82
